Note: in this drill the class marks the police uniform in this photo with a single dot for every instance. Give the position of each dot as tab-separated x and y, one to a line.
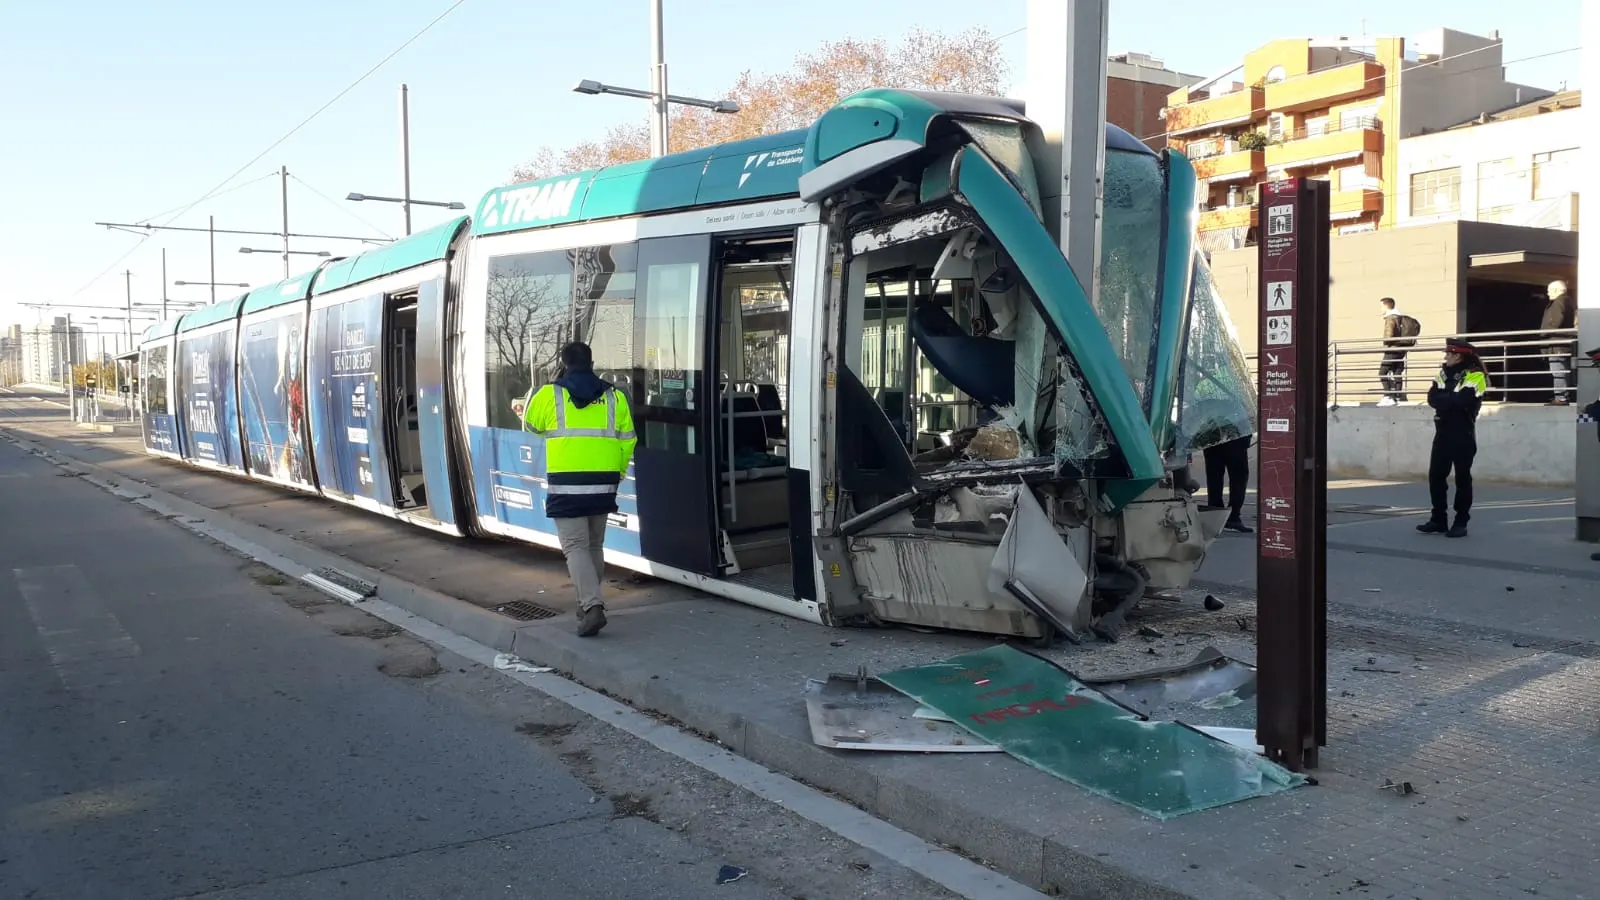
589	441
1456	395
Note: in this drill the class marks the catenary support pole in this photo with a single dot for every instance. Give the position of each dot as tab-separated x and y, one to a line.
658	82
405	157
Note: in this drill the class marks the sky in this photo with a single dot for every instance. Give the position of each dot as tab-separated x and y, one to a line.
132	112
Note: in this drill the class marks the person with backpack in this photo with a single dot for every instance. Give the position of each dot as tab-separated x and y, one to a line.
1399	330
1456	395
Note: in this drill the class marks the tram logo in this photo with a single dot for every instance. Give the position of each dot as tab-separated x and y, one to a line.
531	204
770	160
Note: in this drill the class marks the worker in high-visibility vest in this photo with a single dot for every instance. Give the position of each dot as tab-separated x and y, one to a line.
589	441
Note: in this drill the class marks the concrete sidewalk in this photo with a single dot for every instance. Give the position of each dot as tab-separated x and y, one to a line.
1485	702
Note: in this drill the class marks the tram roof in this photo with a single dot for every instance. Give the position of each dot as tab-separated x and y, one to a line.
289	290
418	249
755	169
221	311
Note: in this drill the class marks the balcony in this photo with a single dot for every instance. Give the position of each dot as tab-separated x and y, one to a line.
1216	112
1232	165
1241	216
1354	204
1320	89
1345	140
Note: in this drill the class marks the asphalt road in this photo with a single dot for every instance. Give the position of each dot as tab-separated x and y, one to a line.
178	722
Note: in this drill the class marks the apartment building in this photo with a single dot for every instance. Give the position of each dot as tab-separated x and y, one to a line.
1137	86
1517	166
46	349
1335	109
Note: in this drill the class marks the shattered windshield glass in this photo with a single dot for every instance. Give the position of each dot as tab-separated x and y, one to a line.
1130	262
1217	398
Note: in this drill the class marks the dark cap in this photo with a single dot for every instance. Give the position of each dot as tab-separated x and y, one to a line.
1457	345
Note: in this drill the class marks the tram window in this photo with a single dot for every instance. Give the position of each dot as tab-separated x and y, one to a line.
155	381
529	319
603	312
671	321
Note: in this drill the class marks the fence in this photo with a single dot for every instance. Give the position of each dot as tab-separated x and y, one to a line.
1517	364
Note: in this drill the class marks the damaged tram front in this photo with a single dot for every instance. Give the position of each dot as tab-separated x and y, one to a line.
998	454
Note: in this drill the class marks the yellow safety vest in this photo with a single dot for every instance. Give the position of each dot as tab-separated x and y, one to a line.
587	450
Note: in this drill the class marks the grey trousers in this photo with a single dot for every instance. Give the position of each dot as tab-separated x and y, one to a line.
583	543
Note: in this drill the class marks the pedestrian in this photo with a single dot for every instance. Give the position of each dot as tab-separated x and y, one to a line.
1399	330
1456	396
588	443
1558	315
1231	459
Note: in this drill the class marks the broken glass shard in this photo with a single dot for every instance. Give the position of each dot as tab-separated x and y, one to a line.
1038	713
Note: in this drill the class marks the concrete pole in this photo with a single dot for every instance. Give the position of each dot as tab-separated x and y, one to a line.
1066	96
658	82
1587	459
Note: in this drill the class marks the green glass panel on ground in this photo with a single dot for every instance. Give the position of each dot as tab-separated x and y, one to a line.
1044	717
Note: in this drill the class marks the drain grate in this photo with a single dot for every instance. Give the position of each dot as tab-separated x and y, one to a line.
524	611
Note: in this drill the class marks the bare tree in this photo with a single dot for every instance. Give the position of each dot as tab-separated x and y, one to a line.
528	320
968	62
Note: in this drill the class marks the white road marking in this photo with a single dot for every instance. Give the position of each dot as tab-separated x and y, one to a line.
76	628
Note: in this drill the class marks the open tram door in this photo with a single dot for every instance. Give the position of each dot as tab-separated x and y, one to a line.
673	409
712	474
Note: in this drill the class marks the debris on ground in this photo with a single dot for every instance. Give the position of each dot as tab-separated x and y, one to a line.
512	663
1213	604
1402	788
1147	631
730	874
1375	669
1041	714
859	712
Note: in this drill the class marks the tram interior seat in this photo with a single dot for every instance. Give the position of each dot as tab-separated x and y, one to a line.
754	496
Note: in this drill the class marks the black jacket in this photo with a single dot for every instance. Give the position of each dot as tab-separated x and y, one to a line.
1456	396
1558	315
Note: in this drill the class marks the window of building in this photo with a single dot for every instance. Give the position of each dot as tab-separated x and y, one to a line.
1436	192
1555	173
1501	183
1275	127
1355	178
529	319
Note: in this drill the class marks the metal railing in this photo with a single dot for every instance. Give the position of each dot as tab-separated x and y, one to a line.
1517	364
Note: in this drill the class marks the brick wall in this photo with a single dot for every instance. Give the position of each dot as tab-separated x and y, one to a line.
1136	106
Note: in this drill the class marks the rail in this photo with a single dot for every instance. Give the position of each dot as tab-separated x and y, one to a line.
1517	364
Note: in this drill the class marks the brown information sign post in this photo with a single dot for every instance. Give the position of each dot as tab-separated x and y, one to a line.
1292	492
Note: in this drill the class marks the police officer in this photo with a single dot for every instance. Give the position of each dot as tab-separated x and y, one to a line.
1456	395
589	441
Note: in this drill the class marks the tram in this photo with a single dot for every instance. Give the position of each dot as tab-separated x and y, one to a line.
867	386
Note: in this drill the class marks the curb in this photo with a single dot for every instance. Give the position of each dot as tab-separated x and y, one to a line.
936	815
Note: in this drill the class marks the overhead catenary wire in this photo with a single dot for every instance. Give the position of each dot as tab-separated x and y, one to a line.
216	191
339	206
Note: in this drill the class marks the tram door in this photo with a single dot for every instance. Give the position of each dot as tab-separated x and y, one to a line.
674	405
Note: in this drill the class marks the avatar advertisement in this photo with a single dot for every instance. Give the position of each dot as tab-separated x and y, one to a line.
272	385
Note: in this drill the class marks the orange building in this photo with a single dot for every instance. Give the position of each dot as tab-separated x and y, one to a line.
1330	109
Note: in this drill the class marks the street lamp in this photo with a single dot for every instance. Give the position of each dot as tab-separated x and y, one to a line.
657	95
406	203
284	252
